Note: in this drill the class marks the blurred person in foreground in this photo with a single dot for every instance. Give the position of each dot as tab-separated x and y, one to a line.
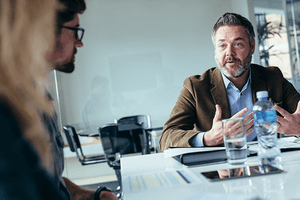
27	33
228	91
68	38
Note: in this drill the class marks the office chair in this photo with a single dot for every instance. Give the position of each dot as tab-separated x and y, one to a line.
123	137
115	144
75	146
136	125
132	123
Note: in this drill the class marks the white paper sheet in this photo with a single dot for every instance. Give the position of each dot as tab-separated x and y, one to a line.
282	144
159	180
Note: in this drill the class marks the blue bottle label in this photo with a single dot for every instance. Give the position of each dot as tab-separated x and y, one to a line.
265	117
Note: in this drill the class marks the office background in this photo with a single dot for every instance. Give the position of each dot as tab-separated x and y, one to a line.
135	57
137	53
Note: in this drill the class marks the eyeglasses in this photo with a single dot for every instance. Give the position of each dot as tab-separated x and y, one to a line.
78	32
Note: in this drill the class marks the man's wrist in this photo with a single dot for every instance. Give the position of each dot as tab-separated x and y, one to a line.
205	138
99	190
208	141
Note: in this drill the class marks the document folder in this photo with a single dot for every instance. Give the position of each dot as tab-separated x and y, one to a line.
205	157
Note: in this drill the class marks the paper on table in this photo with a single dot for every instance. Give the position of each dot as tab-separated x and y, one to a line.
221	196
287	144
282	144
158	180
182	150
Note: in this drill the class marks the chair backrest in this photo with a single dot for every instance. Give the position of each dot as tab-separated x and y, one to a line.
115	141
145	120
132	124
108	134
72	137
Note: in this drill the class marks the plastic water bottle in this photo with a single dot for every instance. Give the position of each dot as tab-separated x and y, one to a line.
265	125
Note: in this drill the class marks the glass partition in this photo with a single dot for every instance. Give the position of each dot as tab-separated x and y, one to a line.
292	12
272	37
277	26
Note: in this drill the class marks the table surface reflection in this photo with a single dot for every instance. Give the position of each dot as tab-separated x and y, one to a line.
241	172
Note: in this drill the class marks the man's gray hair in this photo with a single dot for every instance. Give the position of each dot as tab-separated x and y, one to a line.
236	20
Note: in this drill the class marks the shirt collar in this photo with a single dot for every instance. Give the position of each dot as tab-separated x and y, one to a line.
227	81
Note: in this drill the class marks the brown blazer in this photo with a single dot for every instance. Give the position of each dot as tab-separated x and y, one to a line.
195	107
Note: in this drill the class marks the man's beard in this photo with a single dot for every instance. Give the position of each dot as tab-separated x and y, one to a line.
66	68
241	68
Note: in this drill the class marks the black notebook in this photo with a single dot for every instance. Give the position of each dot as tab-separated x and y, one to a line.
197	158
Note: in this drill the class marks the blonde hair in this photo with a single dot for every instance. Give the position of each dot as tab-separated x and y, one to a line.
27	34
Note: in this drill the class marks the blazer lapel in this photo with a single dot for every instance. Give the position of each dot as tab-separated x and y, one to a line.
219	93
258	82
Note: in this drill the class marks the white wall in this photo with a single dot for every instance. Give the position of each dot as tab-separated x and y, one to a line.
130	44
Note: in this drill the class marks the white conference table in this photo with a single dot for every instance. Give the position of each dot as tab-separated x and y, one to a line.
275	186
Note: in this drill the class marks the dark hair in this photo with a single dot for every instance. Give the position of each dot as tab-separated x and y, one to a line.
237	20
68	11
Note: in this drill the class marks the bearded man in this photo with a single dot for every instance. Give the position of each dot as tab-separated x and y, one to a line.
228	91
68	38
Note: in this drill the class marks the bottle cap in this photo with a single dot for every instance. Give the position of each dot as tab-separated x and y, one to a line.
262	94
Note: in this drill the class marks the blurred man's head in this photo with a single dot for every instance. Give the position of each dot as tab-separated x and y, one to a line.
233	37
68	35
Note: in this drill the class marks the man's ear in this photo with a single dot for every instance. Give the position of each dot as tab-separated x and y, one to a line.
253	46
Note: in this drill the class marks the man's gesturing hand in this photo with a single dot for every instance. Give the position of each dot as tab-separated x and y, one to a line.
289	124
214	136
